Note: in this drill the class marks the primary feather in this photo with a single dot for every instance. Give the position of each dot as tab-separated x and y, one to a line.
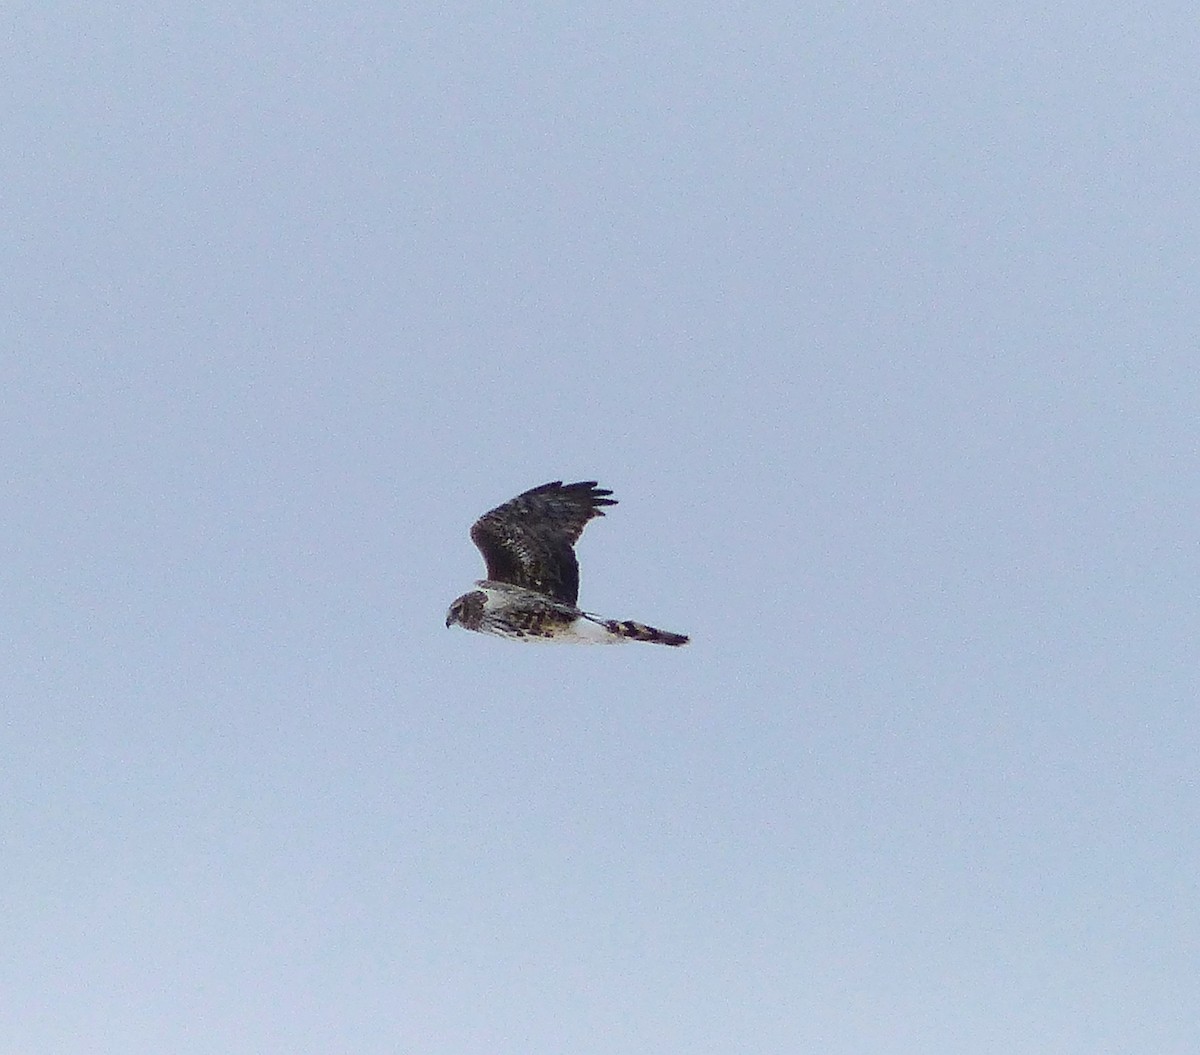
529	541
533	577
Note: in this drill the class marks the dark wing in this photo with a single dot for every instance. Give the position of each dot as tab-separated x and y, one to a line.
528	541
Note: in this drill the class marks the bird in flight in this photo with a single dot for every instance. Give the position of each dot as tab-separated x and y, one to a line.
532	579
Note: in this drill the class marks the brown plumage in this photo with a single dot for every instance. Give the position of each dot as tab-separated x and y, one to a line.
533	577
528	541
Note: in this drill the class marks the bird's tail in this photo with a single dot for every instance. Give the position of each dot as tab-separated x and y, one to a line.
627	628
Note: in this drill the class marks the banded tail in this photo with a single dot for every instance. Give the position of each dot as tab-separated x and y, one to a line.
627	628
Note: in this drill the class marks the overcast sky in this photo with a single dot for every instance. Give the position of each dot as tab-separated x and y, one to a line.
881	322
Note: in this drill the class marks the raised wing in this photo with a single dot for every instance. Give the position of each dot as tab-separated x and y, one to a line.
528	541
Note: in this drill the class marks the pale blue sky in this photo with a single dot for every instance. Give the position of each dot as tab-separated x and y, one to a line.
881	323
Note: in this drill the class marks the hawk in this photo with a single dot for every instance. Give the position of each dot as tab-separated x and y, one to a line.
532	575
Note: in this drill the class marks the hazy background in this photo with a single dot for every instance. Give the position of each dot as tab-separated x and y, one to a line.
881	322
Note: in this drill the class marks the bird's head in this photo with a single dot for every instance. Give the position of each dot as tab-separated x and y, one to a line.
467	610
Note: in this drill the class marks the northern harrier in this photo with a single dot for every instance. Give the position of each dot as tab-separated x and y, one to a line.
533	577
